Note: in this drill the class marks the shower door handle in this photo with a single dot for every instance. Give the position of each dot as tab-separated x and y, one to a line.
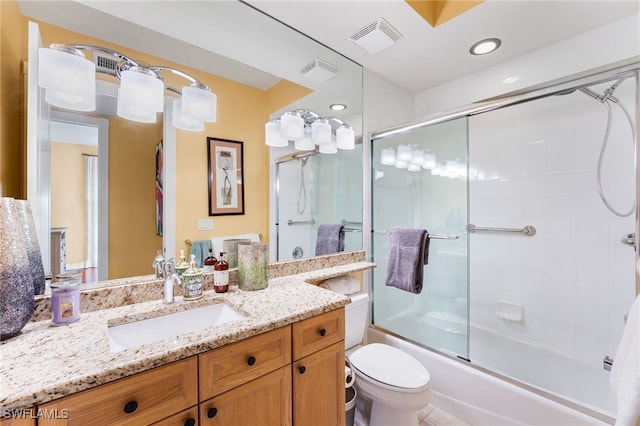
629	239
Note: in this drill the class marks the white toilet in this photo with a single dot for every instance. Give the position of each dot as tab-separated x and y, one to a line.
395	382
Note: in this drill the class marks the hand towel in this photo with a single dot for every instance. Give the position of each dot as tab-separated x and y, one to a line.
625	372
330	239
200	249
217	245
408	253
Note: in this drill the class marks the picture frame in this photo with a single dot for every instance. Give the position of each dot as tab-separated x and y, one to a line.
226	176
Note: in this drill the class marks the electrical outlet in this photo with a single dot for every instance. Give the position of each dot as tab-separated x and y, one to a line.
205	224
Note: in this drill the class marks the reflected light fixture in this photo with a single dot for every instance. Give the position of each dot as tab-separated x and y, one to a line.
485	46
69	80
307	129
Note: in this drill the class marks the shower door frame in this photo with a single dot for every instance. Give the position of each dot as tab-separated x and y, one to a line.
629	68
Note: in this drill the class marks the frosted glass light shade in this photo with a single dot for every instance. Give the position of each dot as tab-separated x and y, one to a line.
404	153
273	136
429	161
69	80
345	137
321	132
388	157
304	144
292	126
413	167
328	148
130	112
417	157
199	103
184	122
140	93
401	164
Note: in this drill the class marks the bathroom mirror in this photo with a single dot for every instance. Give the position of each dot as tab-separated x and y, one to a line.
236	42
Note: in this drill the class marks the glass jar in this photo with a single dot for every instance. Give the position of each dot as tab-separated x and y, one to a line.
65	302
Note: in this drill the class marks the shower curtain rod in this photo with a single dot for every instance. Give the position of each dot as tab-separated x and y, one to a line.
598	75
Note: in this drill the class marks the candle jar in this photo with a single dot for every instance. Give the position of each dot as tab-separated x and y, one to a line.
65	302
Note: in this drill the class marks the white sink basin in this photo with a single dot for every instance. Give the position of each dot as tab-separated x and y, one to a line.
137	333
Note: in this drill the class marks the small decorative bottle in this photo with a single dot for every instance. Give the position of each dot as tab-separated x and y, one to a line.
210	262
182	264
192	281
221	275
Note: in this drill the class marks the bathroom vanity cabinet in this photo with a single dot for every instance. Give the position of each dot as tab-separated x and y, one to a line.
290	375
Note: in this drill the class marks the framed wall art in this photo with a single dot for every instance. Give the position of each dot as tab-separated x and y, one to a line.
226	188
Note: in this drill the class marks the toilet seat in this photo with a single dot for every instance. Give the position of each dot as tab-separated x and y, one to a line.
391	368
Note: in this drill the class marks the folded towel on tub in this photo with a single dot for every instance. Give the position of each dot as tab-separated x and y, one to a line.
408	253
330	239
625	372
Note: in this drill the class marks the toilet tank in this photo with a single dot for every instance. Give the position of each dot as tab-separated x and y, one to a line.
356	319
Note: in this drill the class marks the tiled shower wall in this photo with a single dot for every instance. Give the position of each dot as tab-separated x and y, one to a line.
535	164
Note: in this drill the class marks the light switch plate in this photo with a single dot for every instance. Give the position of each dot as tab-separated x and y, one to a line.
205	224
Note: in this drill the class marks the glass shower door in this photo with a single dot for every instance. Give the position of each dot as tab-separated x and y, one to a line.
420	181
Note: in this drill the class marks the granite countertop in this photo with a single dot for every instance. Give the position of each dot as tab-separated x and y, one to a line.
44	362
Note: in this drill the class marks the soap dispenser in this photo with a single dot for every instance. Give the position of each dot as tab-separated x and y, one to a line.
182	264
209	262
192	281
221	275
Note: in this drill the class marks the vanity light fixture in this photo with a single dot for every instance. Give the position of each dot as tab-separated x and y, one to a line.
485	46
69	80
307	129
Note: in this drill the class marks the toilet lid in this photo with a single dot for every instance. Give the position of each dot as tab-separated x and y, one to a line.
390	365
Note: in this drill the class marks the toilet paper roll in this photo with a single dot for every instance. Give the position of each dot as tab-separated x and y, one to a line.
349	377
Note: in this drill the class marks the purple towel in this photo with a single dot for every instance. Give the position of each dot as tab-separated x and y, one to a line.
330	239
408	253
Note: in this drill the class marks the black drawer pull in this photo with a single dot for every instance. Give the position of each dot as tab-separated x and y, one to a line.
212	412
190	422
130	407
323	332
251	360
302	369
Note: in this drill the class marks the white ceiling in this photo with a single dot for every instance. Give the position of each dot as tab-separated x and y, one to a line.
428	56
230	39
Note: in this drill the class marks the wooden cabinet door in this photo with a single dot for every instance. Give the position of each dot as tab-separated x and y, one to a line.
185	418
264	401
318	388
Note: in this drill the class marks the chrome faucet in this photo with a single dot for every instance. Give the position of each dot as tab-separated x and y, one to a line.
158	265
171	278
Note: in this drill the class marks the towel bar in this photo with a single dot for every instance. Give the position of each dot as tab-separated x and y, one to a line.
300	222
349	222
431	236
528	230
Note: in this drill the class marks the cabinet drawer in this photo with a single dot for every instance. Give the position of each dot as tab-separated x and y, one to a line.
229	366
185	418
143	398
317	332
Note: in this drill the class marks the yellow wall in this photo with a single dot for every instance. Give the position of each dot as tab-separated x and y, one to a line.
12	39
68	206
242	112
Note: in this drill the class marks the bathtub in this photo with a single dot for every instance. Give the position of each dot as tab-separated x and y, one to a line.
481	398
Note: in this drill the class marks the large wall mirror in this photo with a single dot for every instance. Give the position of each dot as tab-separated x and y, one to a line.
259	69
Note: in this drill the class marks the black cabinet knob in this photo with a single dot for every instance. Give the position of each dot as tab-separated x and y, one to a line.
212	412
302	369
251	360
323	332
130	407
190	422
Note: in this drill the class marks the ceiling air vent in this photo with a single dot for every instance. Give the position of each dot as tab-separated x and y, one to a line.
320	70
376	36
105	64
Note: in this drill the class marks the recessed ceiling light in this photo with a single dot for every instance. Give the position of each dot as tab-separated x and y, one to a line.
485	46
338	107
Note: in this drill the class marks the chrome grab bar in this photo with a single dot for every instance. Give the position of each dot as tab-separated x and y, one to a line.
431	236
350	222
528	230
301	222
351	230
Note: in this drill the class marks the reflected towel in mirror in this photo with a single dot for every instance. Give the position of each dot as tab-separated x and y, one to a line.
200	249
408	253
330	239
